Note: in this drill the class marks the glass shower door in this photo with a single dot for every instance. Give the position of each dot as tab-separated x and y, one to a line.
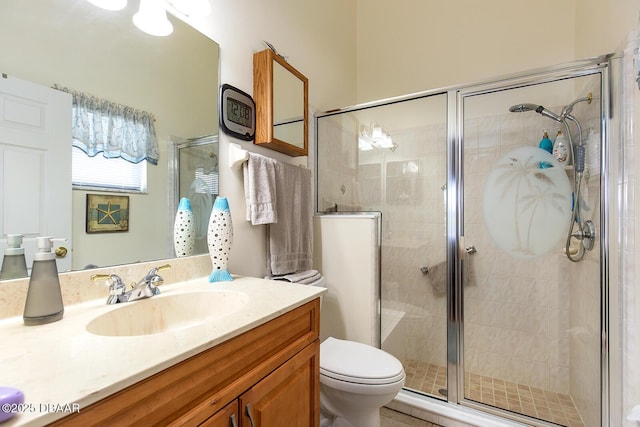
392	158
414	259
531	334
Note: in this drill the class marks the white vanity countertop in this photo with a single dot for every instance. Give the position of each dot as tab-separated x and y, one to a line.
61	367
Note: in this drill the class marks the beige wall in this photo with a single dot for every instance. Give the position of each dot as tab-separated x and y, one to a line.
602	26
409	46
319	40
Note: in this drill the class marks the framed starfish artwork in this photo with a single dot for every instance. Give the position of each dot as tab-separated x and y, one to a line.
107	213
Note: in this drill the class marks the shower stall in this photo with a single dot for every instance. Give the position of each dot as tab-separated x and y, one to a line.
494	249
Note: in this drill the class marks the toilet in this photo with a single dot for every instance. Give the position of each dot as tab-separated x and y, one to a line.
356	380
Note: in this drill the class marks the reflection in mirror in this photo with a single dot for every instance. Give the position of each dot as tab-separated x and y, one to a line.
198	181
280	93
83	47
288	106
14	264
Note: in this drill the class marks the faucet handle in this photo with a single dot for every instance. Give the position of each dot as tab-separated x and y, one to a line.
110	278
98	277
113	281
153	279
115	284
161	268
154	272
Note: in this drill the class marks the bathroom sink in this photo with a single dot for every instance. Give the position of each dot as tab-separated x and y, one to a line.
165	313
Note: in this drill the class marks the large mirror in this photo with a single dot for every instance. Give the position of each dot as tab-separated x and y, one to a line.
280	93
77	45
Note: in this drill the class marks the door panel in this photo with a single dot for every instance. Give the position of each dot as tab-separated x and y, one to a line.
35	155
524	301
279	399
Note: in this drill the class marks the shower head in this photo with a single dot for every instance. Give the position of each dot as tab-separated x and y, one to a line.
520	108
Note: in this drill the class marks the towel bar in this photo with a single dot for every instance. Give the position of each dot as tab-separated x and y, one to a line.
237	155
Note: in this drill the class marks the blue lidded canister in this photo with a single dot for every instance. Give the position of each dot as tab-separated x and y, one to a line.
547	145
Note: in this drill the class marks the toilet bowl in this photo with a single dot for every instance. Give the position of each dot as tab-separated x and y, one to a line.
356	380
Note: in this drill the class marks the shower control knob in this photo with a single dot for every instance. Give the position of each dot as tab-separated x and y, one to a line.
587	235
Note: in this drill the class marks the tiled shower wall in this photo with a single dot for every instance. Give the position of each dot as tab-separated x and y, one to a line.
531	321
414	245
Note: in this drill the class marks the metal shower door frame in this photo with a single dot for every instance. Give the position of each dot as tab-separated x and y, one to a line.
455	220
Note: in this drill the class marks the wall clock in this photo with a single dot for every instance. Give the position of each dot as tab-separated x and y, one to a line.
237	113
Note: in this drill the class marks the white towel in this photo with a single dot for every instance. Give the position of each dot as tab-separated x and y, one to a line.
311	279
291	237
260	189
296	277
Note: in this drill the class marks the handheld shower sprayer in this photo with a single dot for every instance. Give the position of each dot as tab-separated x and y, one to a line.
521	108
586	231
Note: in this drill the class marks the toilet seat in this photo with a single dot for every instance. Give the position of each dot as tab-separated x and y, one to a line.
358	363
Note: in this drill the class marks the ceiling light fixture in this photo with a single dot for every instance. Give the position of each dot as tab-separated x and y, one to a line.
375	137
152	14
152	18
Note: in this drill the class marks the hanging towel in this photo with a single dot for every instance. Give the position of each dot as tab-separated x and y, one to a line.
260	189
290	243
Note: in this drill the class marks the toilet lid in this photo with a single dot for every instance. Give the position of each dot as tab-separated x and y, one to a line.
358	363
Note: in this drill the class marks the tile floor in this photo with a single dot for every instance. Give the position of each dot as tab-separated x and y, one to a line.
546	405
391	418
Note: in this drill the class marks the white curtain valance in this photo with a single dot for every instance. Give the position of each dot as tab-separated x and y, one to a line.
115	130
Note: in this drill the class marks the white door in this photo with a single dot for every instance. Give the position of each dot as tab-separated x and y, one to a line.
35	162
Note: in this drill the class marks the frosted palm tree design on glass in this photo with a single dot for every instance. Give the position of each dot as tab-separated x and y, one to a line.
525	206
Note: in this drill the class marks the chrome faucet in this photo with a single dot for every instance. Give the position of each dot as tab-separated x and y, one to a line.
145	288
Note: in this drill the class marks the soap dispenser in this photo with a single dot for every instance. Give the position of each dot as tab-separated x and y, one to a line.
14	264
561	149
44	298
546	145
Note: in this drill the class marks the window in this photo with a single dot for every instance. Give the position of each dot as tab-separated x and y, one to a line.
110	144
101	173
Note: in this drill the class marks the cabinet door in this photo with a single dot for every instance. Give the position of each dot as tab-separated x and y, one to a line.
225	417
289	396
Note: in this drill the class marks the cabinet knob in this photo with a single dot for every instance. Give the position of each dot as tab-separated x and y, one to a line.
232	421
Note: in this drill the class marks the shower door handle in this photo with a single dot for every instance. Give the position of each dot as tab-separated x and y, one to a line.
465	250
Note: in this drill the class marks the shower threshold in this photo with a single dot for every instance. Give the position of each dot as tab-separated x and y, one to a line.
545	405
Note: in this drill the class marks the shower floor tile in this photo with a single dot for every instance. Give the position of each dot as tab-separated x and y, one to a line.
534	402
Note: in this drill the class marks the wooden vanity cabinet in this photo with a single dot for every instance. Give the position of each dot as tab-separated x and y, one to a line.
273	370
280	399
